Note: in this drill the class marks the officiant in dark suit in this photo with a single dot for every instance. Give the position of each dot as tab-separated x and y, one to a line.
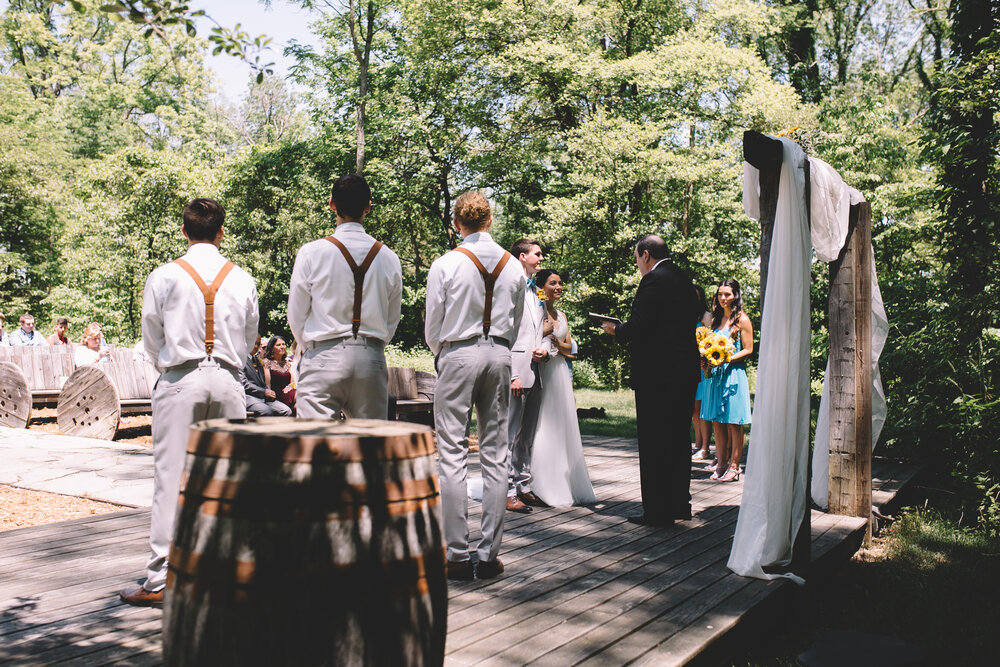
665	368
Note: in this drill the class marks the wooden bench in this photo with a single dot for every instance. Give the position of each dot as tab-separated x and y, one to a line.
414	392
31	376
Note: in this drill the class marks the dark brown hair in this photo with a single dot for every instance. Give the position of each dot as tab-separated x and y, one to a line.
351	194
203	219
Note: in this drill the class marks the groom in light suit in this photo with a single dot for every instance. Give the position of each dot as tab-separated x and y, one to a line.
525	383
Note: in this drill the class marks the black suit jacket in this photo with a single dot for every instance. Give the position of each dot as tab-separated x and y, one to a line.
252	377
660	329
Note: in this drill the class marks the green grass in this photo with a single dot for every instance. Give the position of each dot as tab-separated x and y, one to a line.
927	581
417	359
620	408
619	405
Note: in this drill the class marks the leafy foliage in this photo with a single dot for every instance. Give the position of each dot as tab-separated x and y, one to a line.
587	123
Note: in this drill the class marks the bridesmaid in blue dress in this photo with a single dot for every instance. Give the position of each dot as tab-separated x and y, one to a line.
726	402
702	428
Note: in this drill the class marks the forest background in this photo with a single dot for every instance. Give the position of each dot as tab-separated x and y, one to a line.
587	122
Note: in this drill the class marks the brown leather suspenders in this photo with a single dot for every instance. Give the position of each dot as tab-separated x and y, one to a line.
359	277
208	291
490	279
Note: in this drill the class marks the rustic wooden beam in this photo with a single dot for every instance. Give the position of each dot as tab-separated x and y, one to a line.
851	372
764	153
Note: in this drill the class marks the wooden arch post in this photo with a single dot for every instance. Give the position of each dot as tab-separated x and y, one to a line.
851	372
850	346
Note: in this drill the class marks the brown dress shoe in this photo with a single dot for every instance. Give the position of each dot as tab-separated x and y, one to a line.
140	597
515	505
461	570
529	498
489	569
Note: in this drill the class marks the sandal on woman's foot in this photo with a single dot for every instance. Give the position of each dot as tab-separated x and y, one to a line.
732	475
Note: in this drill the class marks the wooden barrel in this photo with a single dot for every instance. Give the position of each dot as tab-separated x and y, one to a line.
15	397
307	542
89	406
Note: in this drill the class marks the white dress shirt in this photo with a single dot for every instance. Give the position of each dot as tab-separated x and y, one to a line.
321	294
173	311
84	356
456	295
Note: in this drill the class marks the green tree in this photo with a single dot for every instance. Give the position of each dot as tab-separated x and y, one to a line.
31	201
126	222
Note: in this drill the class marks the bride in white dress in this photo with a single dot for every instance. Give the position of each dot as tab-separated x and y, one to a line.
558	470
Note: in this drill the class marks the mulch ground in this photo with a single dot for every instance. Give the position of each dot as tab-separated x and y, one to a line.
133	429
22	507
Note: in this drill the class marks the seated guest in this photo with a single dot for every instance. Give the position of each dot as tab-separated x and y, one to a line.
100	332
60	337
27	335
260	400
89	351
4	337
278	371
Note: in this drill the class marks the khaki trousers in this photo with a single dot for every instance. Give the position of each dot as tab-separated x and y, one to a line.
348	374
182	397
474	374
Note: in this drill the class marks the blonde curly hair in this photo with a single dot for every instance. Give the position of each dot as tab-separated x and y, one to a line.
472	211
93	330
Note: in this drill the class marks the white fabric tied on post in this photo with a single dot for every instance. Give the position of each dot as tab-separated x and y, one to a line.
831	202
775	494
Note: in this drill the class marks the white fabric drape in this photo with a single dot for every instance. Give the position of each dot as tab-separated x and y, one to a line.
774	494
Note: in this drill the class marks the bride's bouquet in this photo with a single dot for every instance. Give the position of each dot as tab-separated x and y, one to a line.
715	348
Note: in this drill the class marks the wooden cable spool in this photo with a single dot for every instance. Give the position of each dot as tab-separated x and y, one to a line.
15	396
95	397
307	542
89	405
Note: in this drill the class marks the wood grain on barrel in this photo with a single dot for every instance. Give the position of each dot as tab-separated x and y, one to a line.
88	404
15	397
307	542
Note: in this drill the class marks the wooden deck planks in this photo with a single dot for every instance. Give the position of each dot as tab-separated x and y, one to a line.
582	584
888	479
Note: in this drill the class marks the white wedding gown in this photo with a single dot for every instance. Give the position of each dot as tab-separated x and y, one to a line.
558	470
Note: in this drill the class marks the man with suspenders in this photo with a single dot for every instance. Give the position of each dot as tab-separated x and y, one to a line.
343	307
475	299
199	318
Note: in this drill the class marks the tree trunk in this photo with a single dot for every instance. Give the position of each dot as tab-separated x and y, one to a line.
362	45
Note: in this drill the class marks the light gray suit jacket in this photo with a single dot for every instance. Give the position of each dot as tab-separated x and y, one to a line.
529	336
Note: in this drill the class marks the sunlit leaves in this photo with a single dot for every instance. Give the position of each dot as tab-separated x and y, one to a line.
158	15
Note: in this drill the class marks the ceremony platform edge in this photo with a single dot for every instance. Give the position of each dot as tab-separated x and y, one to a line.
582	585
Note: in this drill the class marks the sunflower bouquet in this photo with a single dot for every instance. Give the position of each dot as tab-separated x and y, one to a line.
715	348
